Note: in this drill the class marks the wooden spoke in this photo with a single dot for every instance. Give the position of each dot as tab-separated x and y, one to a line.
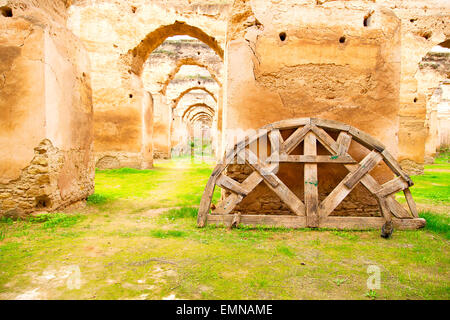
393	186
295	139
311	159
311	183
275	184
312	213
344	187
227	183
411	203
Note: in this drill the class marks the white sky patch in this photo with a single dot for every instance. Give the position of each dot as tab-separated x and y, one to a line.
440	49
184	37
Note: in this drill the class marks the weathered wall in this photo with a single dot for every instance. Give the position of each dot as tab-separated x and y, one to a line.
434	70
299	59
424	24
119	37
174	69
45	110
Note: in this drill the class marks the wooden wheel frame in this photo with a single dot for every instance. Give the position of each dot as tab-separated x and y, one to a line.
311	213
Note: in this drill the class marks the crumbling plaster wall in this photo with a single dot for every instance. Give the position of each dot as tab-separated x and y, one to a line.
45	110
119	37
298	59
424	24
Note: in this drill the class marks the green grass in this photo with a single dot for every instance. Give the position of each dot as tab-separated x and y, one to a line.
438	223
124	250
156	186
434	185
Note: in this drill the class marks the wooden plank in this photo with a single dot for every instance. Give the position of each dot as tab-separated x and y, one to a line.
227	183
276	144
411	203
205	202
330	124
343	159
279	188
311	183
290	123
260	167
352	223
366	140
231	153
295	139
397	209
393	164
326	140
364	223
366	165
374	187
393	186
343	141
260	220
342	190
384	208
229	203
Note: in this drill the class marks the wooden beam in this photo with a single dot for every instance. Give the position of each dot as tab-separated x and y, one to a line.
276	141
353	223
258	166
311	182
343	141
326	140
342	190
366	140
289	123
366	165
251	182
229	184
393	164
279	188
362	223
311	159
411	203
295	139
205	202
330	124
393	186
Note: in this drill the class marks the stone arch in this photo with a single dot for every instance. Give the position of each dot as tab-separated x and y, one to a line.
177	100
201	115
189	62
138	55
192	108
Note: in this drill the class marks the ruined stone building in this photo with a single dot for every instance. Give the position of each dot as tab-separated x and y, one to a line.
110	84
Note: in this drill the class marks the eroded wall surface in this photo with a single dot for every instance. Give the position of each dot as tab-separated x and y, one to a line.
290	59
119	36
45	110
424	24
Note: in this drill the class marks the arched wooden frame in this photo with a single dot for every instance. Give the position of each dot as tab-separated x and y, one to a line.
311	213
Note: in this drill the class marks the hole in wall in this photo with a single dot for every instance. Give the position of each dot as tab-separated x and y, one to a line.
282	36
43	202
427	35
342	39
412	20
198	52
415	100
198	82
133	9
6	11
367	20
130	95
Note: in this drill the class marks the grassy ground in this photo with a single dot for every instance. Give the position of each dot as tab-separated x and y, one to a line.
137	239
